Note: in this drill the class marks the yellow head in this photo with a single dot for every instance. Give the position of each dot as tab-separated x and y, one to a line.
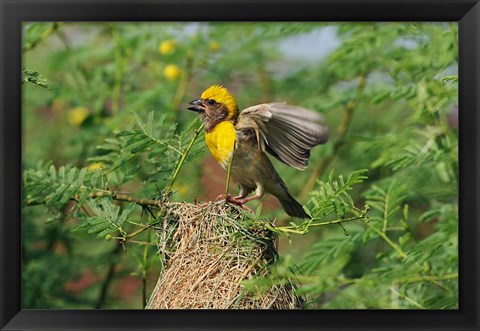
221	95
215	105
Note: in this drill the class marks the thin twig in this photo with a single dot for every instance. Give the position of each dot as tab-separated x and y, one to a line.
304	227
397	248
229	169
430	278
47	33
144	272
403	296
387	239
121	197
182	160
136	233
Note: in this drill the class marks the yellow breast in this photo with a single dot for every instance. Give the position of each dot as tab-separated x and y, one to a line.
221	141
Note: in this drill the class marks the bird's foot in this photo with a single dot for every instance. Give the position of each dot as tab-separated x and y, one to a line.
238	201
224	197
203	205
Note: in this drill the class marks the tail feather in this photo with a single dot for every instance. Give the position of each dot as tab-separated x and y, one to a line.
293	208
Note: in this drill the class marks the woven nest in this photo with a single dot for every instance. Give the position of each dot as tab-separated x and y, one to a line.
208	253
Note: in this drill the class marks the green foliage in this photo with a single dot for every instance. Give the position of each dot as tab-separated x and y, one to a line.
54	188
332	198
34	77
162	146
400	251
404	271
386	202
106	218
95	206
94	149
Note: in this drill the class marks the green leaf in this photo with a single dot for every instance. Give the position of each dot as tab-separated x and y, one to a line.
34	77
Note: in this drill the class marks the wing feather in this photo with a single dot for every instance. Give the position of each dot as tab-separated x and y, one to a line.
287	132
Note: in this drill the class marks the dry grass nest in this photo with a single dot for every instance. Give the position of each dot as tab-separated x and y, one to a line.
208	253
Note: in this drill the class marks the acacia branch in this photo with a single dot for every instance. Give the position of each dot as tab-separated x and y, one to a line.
304	227
430	278
122	197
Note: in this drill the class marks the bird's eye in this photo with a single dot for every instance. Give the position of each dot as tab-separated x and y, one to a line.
211	102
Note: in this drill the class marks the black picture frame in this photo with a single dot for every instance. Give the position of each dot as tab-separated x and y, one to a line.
13	12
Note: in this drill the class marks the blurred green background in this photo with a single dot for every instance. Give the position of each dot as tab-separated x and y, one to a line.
389	95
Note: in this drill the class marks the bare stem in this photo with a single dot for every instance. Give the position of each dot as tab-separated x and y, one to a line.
304	227
387	239
121	197
410	300
182	160
227	185
136	233
144	273
47	33
431	278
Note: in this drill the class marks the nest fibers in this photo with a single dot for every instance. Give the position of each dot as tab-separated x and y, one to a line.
208	253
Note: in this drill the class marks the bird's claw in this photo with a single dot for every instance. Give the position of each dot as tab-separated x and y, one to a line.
227	197
237	201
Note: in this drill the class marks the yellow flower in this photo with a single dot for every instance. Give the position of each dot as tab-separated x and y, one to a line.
166	47
171	72
214	46
77	115
95	166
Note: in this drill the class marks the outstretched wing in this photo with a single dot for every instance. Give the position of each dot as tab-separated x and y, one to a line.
285	131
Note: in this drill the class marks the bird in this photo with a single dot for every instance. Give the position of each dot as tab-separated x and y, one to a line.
241	140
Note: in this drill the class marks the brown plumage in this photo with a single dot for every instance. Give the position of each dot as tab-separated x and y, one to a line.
286	132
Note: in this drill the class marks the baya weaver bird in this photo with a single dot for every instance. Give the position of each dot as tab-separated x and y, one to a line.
239	140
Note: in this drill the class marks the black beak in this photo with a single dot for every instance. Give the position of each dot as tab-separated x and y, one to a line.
196	105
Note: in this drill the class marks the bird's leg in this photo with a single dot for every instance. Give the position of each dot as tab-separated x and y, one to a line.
223	196
242	194
237	202
258	194
227	198
238	199
245	200
233	200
